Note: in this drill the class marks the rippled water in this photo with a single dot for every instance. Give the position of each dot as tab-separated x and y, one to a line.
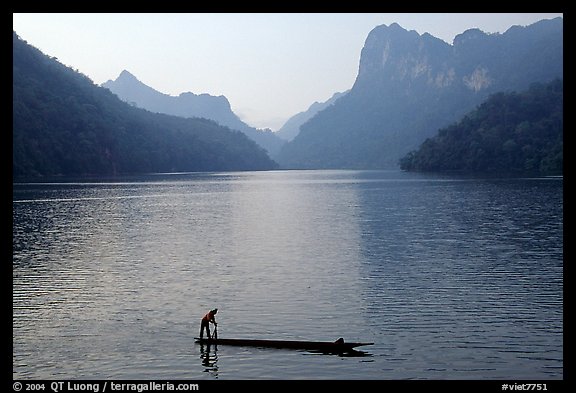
451	278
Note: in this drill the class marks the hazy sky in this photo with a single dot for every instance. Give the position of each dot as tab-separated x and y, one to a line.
269	66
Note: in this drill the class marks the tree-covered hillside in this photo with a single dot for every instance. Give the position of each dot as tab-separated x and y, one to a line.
63	124
508	133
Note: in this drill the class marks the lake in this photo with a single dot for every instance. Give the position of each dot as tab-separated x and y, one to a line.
450	277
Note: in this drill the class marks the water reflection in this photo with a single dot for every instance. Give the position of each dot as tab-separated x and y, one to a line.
350	353
450	278
461	275
355	353
293	240
209	357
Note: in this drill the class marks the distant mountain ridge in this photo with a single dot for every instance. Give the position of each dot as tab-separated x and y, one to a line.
129	89
410	85
291	127
63	125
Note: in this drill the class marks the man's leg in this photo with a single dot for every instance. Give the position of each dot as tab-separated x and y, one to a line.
202	325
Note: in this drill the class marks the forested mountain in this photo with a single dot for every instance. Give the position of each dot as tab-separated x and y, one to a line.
508	133
410	85
291	128
128	88
63	124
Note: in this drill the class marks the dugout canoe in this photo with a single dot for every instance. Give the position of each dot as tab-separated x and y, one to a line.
338	346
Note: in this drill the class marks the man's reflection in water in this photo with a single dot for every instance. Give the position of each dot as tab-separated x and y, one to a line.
209	359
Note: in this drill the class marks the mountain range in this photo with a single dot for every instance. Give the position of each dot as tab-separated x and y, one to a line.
63	124
410	85
291	127
129	89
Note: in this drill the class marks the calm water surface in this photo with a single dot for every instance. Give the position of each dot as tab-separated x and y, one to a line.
451	278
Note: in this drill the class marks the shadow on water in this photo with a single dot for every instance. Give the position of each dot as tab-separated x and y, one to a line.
209	359
352	353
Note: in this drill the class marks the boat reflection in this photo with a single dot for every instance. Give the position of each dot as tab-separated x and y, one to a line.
347	353
209	356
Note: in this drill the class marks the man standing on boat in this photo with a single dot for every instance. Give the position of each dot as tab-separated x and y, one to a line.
206	320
